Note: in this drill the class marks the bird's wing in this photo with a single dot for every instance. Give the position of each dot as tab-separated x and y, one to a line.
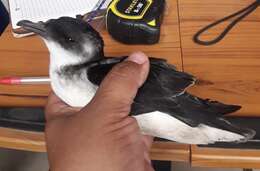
163	79
194	110
164	82
164	91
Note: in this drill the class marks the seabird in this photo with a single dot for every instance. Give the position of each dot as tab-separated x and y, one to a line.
163	108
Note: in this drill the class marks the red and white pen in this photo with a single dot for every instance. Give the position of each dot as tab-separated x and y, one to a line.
24	80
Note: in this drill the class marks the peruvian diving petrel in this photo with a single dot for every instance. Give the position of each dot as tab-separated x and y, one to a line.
162	106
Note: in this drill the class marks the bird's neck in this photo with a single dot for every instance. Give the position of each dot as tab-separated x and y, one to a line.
61	58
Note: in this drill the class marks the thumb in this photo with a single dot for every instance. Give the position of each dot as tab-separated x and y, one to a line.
120	86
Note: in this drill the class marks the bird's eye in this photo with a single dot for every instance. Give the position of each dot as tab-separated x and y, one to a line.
70	39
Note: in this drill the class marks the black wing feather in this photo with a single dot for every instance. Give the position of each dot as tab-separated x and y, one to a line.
162	77
164	90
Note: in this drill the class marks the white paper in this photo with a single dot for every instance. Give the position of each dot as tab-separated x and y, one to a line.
43	10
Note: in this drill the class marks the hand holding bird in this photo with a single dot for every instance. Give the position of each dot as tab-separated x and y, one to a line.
102	134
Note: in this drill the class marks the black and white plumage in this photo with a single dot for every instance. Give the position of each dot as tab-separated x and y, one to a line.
162	106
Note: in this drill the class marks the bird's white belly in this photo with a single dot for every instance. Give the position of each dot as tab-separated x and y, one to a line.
162	125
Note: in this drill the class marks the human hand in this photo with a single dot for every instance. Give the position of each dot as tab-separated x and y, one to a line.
101	136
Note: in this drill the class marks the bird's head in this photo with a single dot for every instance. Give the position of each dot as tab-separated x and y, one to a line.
69	40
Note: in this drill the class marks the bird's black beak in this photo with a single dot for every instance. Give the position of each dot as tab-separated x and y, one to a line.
38	28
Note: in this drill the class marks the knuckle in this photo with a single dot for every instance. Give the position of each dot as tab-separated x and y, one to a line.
105	94
128	121
134	126
133	138
119	112
131	120
125	69
110	92
134	122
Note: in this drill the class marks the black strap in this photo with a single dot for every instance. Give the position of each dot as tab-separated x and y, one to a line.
240	15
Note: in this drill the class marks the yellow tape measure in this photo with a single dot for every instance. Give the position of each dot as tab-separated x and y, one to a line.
135	21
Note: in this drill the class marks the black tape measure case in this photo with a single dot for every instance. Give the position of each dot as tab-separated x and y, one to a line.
135	21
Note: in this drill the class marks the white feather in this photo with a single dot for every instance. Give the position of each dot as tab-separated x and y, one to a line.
75	92
60	57
162	125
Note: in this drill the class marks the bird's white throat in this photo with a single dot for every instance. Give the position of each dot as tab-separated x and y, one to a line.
60	57
75	90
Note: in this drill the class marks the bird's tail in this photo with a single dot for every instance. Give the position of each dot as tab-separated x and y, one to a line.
218	107
246	133
193	104
221	109
208	117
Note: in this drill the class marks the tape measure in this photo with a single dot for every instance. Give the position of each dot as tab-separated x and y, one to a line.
135	21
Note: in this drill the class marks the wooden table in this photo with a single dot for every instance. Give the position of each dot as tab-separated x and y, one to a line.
228	71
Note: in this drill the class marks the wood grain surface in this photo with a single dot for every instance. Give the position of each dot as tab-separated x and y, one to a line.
228	71
170	151
22	140
225	158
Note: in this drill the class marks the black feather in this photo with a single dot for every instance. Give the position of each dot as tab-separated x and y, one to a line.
164	90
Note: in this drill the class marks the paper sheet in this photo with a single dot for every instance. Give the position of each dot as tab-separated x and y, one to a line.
42	10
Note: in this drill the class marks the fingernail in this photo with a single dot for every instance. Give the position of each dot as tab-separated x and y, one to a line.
138	57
